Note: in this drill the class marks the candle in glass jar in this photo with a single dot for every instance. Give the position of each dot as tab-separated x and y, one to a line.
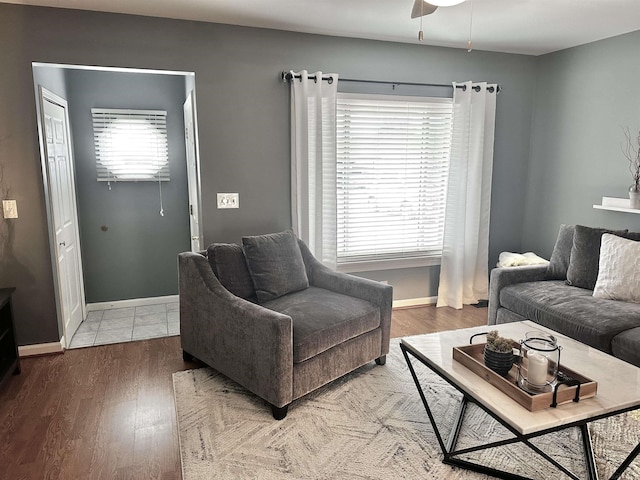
537	371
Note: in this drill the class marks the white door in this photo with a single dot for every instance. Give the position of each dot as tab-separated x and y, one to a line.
63	215
192	171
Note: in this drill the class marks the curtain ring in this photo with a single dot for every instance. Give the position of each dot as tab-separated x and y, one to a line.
330	80
315	79
464	88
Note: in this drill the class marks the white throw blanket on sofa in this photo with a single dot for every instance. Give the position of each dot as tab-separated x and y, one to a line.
509	259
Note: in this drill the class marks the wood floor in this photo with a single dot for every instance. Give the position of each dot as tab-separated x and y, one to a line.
108	412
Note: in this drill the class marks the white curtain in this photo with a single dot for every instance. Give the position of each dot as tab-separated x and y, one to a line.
465	257
313	162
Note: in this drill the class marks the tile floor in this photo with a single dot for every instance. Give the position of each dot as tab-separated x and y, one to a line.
118	325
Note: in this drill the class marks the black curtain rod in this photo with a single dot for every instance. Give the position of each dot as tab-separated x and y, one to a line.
287	77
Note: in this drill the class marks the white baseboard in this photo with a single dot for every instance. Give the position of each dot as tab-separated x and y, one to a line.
414	302
59	347
134	302
41	349
141	302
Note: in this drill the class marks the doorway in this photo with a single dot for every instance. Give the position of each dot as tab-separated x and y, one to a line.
130	231
64	236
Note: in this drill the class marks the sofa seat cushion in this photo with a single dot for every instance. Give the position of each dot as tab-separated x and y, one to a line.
571	311
626	346
323	319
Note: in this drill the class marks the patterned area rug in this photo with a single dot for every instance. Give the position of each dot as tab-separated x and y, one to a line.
369	424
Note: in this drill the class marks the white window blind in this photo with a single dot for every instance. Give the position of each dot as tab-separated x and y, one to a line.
392	167
131	145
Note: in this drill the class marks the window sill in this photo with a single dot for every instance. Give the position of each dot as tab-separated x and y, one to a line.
391	264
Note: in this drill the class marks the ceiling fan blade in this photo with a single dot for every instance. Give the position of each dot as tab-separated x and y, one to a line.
421	8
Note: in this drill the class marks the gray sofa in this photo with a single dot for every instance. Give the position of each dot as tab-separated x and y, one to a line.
279	342
560	296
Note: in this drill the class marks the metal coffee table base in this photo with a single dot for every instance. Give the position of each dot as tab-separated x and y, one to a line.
451	455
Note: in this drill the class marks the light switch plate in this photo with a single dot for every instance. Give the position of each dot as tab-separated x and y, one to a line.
10	209
228	200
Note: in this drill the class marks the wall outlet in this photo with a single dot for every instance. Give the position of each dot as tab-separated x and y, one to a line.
10	209
228	200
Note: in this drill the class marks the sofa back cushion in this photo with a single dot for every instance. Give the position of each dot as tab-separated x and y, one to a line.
229	265
275	264
585	255
559	263
619	269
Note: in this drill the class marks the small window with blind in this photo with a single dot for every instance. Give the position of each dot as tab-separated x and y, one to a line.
392	167
131	145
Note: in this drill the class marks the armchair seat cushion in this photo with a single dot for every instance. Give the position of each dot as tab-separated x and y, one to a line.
323	319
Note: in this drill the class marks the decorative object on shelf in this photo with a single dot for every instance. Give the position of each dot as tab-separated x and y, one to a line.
539	362
617	205
632	154
634	197
498	353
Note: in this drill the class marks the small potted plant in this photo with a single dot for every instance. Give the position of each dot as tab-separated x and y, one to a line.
498	353
632	154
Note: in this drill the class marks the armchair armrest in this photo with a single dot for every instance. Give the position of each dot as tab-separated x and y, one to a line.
246	342
374	292
502	277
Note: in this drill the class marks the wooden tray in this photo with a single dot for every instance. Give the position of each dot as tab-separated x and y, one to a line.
471	356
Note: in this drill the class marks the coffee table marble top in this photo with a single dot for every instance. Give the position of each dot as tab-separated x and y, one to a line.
618	381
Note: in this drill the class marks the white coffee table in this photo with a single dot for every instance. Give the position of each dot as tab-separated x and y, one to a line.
618	392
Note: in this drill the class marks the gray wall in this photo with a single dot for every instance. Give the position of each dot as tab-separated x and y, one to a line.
585	94
243	117
53	79
136	256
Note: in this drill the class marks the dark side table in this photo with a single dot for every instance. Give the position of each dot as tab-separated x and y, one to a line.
9	360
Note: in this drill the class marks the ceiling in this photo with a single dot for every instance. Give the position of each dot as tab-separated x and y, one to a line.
531	27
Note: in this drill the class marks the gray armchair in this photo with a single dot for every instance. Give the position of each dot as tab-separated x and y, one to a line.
290	344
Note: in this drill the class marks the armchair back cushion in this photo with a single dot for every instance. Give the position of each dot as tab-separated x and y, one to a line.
275	264
230	266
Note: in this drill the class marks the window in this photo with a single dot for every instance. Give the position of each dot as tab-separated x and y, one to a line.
130	145
392	168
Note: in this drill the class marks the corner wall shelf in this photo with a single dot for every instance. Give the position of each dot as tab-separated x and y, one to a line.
616	205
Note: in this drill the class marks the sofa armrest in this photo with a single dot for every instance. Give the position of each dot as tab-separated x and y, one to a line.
502	277
374	292
246	342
